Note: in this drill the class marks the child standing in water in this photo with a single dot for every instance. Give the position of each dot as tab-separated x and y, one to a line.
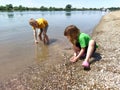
41	24
82	44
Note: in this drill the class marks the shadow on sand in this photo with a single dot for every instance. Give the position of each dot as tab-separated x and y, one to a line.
51	41
97	57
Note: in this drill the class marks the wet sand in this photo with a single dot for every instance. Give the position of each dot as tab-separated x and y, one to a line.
15	56
57	73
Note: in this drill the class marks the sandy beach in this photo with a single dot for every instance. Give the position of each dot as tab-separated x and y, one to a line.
104	73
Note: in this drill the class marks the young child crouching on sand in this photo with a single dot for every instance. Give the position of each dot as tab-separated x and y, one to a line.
82	44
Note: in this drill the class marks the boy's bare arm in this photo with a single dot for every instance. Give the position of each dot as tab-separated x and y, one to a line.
35	35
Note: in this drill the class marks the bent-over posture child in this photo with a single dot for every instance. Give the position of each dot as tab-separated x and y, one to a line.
82	44
41	24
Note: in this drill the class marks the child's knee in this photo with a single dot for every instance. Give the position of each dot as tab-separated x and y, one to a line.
92	43
39	35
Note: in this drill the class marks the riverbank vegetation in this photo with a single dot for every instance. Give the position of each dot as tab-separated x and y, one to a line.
68	7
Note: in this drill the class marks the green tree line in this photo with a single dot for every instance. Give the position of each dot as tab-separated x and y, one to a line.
10	7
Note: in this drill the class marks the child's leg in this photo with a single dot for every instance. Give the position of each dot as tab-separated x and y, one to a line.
90	51
45	39
40	34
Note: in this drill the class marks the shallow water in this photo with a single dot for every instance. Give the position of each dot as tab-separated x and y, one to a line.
17	48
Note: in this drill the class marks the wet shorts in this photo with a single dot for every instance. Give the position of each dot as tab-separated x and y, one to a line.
45	29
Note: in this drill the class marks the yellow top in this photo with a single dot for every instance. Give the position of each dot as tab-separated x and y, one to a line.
42	22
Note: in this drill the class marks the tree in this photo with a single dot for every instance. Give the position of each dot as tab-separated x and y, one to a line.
2	8
9	7
20	7
43	8
68	7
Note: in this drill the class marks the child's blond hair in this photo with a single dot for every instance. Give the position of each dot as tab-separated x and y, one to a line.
73	32
32	21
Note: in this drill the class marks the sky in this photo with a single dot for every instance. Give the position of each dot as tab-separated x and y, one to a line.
63	3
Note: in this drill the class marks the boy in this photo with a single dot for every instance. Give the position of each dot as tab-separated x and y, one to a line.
41	24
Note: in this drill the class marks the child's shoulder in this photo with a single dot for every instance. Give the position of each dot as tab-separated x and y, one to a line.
40	20
83	34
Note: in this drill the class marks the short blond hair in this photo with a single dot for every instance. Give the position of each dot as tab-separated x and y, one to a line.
32	21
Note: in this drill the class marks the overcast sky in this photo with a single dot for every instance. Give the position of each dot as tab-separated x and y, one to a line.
63	3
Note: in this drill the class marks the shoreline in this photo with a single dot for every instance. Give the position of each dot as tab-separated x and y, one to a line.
107	36
105	68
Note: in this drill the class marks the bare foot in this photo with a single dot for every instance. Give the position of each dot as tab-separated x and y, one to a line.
36	42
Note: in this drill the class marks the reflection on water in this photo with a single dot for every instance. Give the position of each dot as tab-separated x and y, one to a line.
21	13
68	13
10	15
41	52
